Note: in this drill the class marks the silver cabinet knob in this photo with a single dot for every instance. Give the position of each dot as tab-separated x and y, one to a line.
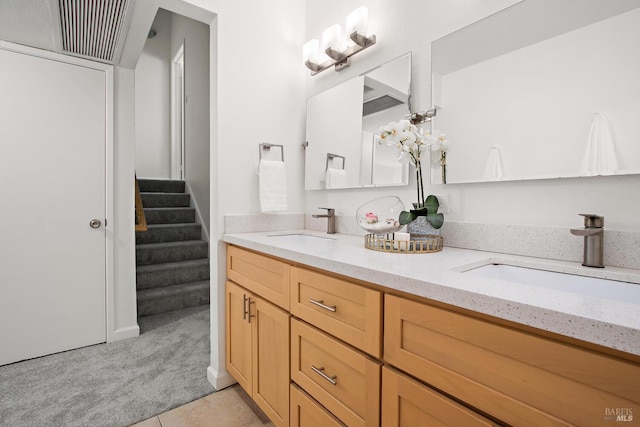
95	223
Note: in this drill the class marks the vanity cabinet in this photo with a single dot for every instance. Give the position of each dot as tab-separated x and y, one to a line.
407	402
257	350
519	377
318	357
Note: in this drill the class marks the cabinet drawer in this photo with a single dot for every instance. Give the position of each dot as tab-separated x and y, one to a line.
265	276
348	311
519	377
342	379
306	412
406	402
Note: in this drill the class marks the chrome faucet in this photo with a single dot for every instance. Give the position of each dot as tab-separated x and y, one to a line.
331	219
593	233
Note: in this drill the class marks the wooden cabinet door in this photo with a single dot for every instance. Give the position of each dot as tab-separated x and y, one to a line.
270	330
406	402
238	329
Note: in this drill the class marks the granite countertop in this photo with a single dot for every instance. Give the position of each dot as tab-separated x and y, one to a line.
609	320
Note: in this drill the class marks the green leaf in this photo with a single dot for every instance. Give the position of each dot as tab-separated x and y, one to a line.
406	217
432	204
435	219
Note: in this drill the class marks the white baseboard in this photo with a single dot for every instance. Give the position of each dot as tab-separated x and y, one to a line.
219	380
124	333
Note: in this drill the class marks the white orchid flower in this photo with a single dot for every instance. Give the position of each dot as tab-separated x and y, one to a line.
444	143
391	132
404	157
413	144
404	124
408	136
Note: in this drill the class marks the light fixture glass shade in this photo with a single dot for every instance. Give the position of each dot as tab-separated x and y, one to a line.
311	51
332	38
358	20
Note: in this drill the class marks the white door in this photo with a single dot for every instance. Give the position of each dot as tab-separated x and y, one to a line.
52	175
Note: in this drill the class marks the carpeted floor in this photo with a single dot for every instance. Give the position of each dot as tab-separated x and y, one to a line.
114	384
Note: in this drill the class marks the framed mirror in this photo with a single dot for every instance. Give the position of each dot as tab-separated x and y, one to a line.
343	126
542	89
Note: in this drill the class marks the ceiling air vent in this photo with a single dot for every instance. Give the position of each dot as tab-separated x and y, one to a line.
378	96
91	28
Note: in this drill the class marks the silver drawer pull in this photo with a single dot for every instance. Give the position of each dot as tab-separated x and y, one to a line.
321	304
320	371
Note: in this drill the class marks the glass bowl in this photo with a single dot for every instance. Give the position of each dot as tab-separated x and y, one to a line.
380	216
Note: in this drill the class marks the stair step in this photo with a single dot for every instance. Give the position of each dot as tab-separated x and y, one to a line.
170	298
157	253
161	186
170	215
165	200
172	273
160	233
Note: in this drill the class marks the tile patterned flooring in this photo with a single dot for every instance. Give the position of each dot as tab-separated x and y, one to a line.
230	407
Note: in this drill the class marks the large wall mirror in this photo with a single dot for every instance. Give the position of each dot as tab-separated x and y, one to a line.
542	89
342	127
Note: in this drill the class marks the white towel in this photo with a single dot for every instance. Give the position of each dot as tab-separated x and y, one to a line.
336	178
273	186
493	168
600	154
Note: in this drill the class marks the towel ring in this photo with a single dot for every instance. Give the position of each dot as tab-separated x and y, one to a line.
331	156
266	146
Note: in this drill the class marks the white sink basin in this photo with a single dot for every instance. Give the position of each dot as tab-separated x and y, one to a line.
583	285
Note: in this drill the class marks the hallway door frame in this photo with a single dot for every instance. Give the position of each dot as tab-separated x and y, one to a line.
178	100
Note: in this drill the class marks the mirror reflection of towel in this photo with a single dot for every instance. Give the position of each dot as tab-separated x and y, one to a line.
493	168
336	178
600	154
273	186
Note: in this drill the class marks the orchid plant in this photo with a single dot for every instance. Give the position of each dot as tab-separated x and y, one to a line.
412	143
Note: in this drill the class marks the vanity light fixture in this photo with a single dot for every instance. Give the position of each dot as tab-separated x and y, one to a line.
335	50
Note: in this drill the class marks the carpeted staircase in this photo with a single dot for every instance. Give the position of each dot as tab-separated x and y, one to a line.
172	260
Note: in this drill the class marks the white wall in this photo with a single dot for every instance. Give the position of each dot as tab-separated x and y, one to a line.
412	25
261	97
153	103
258	96
125	322
195	36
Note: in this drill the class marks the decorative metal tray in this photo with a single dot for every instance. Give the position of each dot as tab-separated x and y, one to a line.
385	243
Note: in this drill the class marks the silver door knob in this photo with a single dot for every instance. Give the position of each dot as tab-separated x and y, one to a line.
95	223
